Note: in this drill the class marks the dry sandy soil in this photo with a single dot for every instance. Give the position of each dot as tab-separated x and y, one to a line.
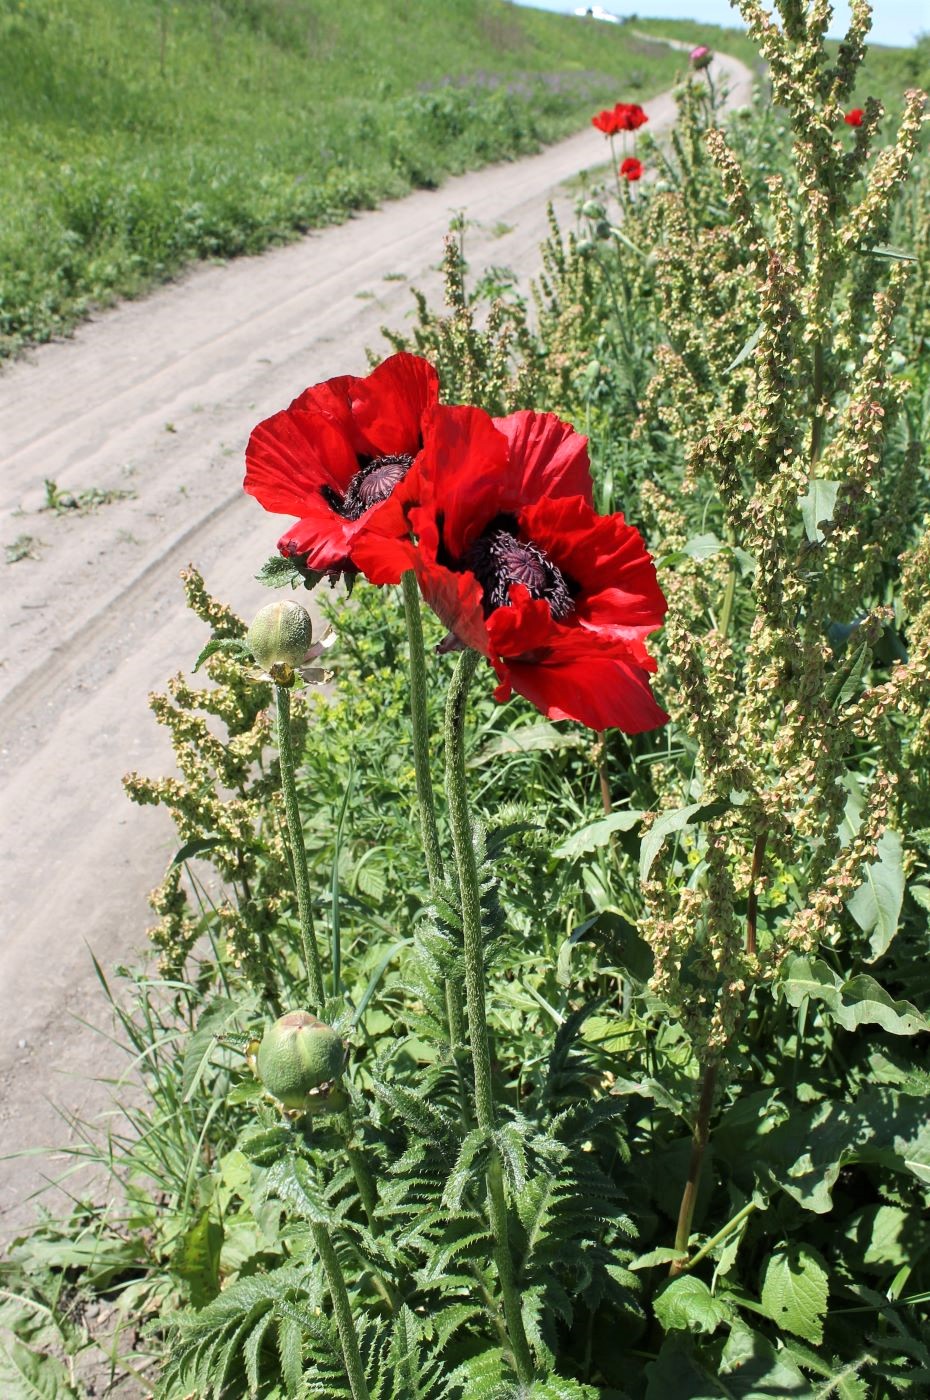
157	397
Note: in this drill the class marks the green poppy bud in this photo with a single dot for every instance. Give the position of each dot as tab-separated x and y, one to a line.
297	1057
280	635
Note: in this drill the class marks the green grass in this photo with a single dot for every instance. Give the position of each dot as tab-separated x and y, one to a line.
140	135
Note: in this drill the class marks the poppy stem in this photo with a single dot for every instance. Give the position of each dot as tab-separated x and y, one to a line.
473	938
420	726
342	1309
298	849
419	722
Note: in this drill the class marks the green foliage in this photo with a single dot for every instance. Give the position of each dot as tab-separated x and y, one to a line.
137	137
619	881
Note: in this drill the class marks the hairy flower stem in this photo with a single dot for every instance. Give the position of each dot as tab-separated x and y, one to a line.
419	723
470	895
421	762
342	1309
298	850
699	1140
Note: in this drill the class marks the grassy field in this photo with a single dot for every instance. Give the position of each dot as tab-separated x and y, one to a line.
138	136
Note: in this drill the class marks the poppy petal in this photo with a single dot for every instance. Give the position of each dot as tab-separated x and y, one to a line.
551	458
602	692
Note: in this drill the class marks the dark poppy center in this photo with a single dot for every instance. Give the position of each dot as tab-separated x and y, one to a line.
499	558
372	483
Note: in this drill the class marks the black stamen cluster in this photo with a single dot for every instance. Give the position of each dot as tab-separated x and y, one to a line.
499	558
372	483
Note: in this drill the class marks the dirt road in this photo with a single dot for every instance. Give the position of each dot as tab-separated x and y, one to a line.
157	398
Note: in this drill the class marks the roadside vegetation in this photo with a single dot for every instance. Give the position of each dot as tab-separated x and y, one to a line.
139	136
635	1014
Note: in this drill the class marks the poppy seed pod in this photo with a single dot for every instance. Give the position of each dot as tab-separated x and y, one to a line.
297	1057
280	635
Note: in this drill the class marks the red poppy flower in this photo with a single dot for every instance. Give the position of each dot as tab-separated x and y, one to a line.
631	168
625	116
339	458
632	116
513	558
607	121
854	116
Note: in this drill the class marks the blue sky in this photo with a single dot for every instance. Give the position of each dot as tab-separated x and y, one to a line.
893	21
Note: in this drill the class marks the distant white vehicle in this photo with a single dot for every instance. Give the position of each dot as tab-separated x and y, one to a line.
597	12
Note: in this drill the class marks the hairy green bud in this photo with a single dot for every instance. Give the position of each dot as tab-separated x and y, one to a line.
280	635
299	1057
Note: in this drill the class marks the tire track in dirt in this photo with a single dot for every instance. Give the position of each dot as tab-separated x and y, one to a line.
158	397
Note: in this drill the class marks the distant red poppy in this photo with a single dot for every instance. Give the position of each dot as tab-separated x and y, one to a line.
631	168
854	116
607	121
625	116
633	116
515	561
338	458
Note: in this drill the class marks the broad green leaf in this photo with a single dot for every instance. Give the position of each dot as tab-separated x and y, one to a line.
654	1257
858	1002
530	738
196	1258
921	895
752	1369
668	825
805	1153
620	945
246	1091
876	905
686	1304
198	847
236	646
702	546
677	1373
886	1236
794	1292
32	1375
596	834
817	507
846	683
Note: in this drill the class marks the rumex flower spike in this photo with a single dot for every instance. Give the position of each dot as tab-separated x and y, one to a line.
339	457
